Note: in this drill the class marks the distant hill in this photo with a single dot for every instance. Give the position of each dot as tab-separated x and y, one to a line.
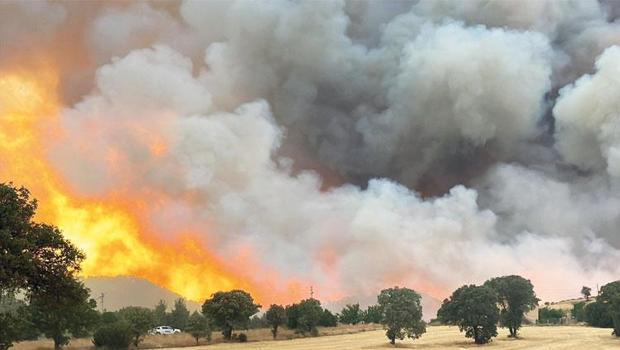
130	291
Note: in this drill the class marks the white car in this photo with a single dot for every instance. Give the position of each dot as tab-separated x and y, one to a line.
165	330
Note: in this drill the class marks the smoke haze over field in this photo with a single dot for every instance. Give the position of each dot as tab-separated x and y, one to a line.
350	146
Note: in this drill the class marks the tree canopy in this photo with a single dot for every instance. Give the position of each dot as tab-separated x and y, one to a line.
230	310
609	295
36	259
276	316
401	313
515	296
199	327
351	314
474	310
140	320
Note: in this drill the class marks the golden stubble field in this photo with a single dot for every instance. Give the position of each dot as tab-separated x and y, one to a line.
359	337
441	337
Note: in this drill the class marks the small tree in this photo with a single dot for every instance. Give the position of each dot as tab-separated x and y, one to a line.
140	320
610	297
351	314
402	313
516	297
474	309
292	315
230	310
373	314
276	316
199	327
63	307
160	317
309	316
579	311
179	316
328	319
586	292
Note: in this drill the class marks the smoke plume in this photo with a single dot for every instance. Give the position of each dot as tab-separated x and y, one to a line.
346	145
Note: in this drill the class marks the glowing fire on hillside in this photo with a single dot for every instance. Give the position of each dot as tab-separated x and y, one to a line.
112	232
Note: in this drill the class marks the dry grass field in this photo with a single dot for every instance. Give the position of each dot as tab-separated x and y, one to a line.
368	337
439	338
184	340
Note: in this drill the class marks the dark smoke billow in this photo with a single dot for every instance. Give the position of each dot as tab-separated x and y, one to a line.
354	144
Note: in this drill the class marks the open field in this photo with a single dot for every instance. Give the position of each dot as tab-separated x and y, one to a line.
368	337
441	337
184	340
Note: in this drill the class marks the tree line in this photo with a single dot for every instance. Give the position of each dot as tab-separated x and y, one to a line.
40	294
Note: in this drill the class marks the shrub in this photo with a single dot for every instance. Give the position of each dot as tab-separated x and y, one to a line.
547	315
328	319
597	315
242	337
115	335
579	311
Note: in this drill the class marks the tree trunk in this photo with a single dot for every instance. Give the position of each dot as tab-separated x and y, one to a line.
57	343
393	340
227	332
274	331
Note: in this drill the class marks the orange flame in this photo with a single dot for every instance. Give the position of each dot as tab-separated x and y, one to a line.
112	232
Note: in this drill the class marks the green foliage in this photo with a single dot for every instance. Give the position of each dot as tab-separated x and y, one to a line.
351	314
292	315
474	309
230	310
328	319
586	292
547	315
199	327
609	295
597	315
108	317
275	316
309	316
516	297
160	317
179	316
373	314
578	312
140	320
34	255
115	335
402	313
64	306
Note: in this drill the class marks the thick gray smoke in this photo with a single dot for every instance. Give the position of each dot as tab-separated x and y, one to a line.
354	144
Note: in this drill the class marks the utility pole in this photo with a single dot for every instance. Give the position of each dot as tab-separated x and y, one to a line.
311	293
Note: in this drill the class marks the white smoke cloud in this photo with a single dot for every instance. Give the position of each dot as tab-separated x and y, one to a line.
588	117
236	112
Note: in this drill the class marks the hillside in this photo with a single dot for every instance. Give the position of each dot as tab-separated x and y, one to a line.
129	291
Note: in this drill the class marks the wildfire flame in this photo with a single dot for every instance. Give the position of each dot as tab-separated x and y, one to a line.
112	232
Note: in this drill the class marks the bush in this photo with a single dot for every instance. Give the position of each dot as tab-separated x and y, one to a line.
550	316
579	311
597	315
115	335
242	337
328	319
